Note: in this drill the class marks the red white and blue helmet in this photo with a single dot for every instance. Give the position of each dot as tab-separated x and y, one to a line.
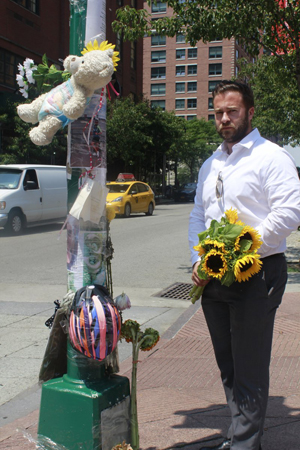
95	322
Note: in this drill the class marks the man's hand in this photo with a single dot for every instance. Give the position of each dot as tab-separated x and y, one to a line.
196	280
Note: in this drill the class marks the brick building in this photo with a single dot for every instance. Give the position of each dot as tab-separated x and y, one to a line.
180	77
30	28
129	74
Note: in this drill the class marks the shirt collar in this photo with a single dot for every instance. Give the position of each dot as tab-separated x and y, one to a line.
246	142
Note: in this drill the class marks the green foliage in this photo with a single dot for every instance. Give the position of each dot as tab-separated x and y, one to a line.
277	99
47	77
140	138
208	20
17	147
197	143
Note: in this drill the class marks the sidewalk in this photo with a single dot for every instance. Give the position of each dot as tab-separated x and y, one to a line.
181	403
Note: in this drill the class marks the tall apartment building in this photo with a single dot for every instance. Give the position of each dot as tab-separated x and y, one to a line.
179	77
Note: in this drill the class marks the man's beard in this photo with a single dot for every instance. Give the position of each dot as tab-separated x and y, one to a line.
236	134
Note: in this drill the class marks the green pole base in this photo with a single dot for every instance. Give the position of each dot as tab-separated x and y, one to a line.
84	414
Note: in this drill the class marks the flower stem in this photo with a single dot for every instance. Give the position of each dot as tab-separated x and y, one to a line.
195	293
133	405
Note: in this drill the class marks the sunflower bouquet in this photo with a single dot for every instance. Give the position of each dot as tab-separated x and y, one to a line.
228	251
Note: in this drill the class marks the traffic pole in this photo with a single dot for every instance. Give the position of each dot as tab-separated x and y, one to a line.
86	408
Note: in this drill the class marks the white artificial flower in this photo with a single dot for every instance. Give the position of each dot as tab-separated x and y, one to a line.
122	302
20	80
21	70
28	63
24	91
29	75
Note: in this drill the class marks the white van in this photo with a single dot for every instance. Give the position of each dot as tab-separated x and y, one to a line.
32	195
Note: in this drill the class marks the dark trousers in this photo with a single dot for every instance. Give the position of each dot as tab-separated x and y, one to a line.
240	319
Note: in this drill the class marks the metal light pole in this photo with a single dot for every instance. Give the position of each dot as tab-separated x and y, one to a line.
86	408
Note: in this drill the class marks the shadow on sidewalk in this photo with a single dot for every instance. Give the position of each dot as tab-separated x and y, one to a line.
281	430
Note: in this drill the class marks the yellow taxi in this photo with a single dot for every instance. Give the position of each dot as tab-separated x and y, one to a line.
126	196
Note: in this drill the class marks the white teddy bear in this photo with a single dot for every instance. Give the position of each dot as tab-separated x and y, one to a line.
67	101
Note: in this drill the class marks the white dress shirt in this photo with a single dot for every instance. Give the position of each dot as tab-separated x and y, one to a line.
260	181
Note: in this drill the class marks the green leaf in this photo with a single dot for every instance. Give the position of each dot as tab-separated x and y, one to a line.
228	278
45	60
232	231
245	245
202	235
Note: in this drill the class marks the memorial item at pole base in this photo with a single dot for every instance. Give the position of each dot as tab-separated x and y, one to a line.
228	252
145	341
95	323
67	101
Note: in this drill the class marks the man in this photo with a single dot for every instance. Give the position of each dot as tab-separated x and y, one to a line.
259	180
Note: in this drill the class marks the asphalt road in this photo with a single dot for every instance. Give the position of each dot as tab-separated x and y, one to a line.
148	251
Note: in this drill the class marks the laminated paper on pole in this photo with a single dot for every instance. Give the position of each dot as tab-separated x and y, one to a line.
90	202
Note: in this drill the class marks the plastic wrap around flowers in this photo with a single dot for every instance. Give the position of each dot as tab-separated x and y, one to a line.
228	251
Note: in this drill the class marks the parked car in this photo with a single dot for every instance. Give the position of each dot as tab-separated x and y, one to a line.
32	195
186	193
130	197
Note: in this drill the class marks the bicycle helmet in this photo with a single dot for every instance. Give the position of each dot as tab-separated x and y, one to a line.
95	322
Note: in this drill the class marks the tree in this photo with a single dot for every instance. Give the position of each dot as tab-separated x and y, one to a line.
139	138
271	25
16	146
198	143
277	100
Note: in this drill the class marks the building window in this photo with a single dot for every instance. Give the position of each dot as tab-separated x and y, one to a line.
180	54
180	117
179	103
156	40
158	104
133	3
9	68
192	103
31	5
215	52
180	38
192	69
158	7
210	103
212	85
192	53
215	69
180	71
158	57
158	89
192	86
158	72
120	2
133	55
119	45
211	117
180	87
191	116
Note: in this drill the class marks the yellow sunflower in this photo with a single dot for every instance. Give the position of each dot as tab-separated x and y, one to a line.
246	266
231	215
215	264
250	234
213	242
103	46
199	249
